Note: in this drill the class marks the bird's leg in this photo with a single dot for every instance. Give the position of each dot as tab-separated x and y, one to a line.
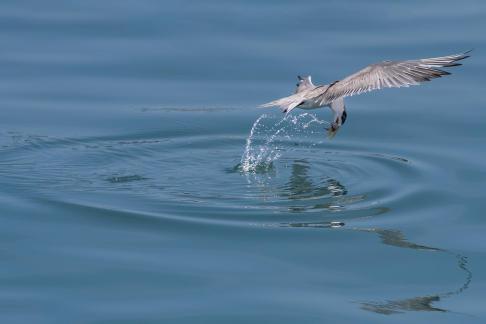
338	121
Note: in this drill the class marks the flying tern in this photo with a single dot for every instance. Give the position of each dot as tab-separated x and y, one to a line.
386	74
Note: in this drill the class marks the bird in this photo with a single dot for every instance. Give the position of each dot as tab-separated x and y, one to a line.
386	74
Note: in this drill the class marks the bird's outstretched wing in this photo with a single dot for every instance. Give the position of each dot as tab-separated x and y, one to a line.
390	74
287	104
305	90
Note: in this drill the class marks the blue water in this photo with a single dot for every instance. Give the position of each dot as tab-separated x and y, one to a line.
139	183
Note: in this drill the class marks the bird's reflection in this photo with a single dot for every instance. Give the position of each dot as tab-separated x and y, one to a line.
420	303
300	188
314	193
399	306
397	239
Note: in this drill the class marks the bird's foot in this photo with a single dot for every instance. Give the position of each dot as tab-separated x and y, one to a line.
332	130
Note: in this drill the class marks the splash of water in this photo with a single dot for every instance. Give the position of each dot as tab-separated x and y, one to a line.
269	139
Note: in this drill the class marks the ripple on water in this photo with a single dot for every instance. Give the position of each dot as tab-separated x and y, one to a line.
289	173
288	176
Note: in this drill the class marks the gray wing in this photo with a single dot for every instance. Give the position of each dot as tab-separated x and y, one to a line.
287	103
391	74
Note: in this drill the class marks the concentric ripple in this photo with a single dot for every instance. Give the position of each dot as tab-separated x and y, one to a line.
286	172
283	175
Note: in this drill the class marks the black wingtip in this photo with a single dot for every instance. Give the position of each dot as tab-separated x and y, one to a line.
300	78
465	54
453	64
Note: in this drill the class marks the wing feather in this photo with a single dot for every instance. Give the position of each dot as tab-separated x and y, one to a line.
391	74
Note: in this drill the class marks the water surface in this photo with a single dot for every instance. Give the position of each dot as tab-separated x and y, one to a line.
140	183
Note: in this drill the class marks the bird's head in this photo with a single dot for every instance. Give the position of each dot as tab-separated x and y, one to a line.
304	83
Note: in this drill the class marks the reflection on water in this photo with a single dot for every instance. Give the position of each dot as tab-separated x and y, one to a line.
305	190
399	306
302	188
396	238
121	122
329	187
420	303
